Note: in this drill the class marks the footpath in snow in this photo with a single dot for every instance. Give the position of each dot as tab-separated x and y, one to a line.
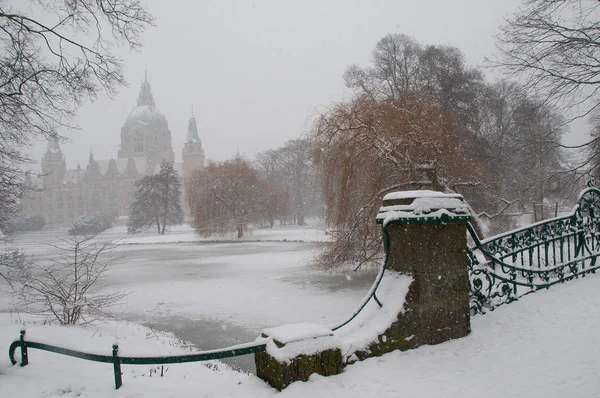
544	345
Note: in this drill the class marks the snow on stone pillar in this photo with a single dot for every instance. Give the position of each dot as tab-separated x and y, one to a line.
294	352
427	240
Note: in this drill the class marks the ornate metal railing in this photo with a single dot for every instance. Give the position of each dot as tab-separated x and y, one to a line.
117	361
510	265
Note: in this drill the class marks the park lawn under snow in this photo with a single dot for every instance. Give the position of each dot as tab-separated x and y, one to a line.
544	345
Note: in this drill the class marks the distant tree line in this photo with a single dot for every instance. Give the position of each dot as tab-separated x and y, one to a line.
281	185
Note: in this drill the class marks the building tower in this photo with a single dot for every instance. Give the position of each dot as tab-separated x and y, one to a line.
192	153
146	133
54	166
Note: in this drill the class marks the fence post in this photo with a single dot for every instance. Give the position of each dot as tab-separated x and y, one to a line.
24	356
117	366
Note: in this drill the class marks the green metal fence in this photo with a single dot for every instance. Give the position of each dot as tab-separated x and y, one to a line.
501	269
510	265
117	361
243	349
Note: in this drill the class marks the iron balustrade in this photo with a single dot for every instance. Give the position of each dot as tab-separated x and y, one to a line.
507	266
501	269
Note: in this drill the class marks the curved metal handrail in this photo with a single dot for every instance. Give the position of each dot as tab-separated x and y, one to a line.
117	361
372	294
228	352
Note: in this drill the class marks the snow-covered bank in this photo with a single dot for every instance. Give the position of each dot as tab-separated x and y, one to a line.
185	234
544	345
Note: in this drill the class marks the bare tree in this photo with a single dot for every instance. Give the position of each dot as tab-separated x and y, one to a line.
525	133
367	148
49	66
14	265
290	171
225	197
395	69
299	173
275	192
538	156
555	45
71	288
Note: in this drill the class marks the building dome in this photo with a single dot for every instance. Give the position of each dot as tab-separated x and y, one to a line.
145	115
145	133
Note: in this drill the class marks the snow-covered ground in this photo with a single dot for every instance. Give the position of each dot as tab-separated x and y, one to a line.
223	292
541	346
218	294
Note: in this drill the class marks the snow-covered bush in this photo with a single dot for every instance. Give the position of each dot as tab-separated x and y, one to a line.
23	223
71	289
90	224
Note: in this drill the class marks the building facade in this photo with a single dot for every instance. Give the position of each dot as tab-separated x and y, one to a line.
108	186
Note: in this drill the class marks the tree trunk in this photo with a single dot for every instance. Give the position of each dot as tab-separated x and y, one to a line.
166	207
240	230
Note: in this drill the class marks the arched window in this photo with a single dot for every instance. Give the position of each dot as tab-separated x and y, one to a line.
96	201
138	144
113	200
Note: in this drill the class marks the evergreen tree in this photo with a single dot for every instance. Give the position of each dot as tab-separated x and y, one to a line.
157	201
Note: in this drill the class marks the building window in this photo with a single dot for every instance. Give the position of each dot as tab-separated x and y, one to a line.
113	200
96	201
60	202
138	147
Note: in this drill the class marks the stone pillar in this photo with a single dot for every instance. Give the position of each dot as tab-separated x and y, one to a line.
427	239
294	352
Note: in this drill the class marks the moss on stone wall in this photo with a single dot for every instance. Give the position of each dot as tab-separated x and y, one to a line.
281	374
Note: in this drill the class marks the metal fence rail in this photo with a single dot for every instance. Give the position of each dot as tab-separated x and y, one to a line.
234	351
501	269
117	361
510	265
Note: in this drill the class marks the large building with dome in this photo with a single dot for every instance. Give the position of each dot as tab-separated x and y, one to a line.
108	186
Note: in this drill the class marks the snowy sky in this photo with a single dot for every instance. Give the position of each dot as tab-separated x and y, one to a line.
258	71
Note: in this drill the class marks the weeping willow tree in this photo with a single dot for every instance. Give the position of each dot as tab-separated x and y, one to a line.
366	148
226	197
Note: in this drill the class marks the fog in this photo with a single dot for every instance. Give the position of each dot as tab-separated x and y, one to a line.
258	72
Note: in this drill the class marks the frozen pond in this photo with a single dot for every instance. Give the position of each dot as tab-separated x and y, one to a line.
216	294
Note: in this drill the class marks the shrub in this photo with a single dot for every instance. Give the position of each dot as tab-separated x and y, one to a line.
90	224
23	223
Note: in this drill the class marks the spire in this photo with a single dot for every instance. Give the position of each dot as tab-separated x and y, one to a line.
192	134
53	146
145	97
